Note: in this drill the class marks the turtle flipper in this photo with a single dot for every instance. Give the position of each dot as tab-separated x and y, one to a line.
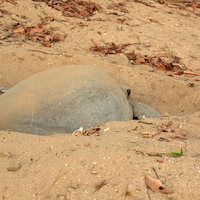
141	110
3	90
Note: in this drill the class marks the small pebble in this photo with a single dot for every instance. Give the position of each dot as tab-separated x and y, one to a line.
107	129
181	131
166	114
5	155
42	58
21	57
14	167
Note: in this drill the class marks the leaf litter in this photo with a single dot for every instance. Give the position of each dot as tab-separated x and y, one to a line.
73	8
156	185
37	33
156	62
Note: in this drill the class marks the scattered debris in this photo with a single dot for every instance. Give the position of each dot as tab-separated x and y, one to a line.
12	1
119	7
163	139
188	71
166	125
14	167
156	62
111	48
100	185
157	186
177	137
148	134
190	84
142	152
73	8
78	132
145	3
92	130
107	129
5	12
155	21
43	35
166	130
187	5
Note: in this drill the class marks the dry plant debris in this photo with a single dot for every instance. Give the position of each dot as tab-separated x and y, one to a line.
73	8
100	185
119	7
157	63
92	130
156	185
177	137
145	3
142	152
155	21
37	33
5	12
12	1
187	5
111	48
148	134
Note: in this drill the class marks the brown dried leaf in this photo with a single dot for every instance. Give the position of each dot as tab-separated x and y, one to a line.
188	71
155	21
58	37
19	29
11	1
46	44
48	38
5	12
131	56
92	130
177	137
139	61
111	49
189	9
156	185
148	134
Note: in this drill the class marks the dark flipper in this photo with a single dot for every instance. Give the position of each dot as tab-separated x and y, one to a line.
141	110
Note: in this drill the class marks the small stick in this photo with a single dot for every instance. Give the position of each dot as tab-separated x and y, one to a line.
155	172
100	185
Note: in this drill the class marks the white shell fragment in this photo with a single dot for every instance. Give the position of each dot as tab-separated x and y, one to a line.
78	132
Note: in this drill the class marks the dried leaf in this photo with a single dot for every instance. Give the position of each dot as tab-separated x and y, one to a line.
92	130
189	9
155	21
140	61
188	71
177	137
48	38
11	1
19	29
46	44
111	49
156	185
5	12
148	134
166	130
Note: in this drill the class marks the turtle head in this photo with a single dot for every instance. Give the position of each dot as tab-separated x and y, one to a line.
126	90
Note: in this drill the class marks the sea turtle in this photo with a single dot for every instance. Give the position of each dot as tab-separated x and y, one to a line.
63	99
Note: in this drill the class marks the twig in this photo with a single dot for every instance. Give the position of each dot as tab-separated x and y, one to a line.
155	172
44	52
100	185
